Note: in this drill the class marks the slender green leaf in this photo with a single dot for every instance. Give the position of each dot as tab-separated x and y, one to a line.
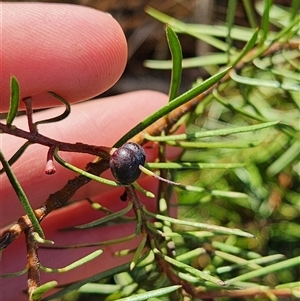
59	117
42	289
189	165
235	250
151	294
139	222
280	16
154	175
229	194
214	42
265	21
295	7
242	34
283	34
198	145
74	264
225	194
191	270
147	193
21	195
15	274
179	26
138	252
238	260
286	74
14	100
99	288
214	133
127	290
94	278
235	108
194	62
239	264
42	240
285	264
123	278
214	228
289	56
92	244
17	155
295	284
231	10
197	30
191	254
248	6
291	154
83	172
176	53
290	86
107	218
250	44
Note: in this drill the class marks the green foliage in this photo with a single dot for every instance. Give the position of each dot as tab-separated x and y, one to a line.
262	194
175	103
237	231
14	100
21	195
239	170
175	49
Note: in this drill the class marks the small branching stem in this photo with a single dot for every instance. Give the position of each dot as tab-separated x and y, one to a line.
77	147
33	263
142	218
29	113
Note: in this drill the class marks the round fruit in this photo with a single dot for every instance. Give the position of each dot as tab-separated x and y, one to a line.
124	162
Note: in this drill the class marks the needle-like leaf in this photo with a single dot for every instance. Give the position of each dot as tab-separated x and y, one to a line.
14	100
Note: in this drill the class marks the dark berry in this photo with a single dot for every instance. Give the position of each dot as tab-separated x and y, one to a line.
124	162
138	151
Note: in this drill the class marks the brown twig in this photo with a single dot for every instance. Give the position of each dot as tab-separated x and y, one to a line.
29	113
33	263
35	137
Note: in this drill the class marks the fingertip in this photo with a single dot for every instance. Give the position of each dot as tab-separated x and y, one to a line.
74	51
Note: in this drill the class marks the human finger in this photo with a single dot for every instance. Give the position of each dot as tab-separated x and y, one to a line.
74	51
97	122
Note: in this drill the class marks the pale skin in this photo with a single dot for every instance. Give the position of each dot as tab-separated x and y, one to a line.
78	53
